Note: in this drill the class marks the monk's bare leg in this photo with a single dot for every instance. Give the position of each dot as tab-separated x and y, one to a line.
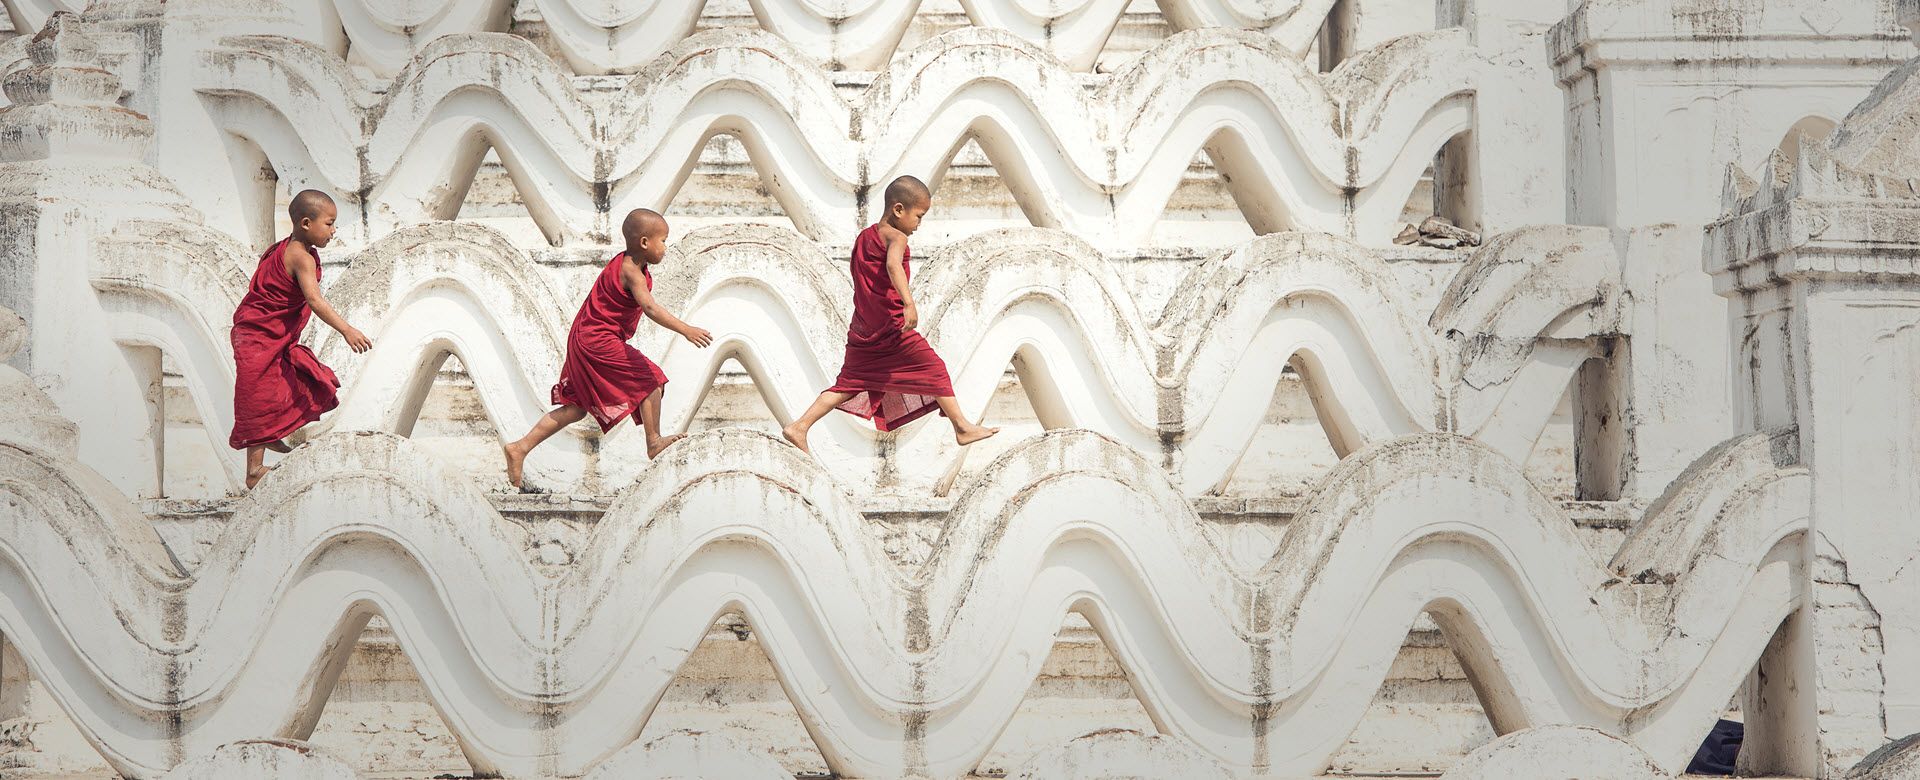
280	446
548	425
650	420
964	431
256	464
796	431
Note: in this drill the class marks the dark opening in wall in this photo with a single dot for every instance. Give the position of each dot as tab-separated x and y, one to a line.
1337	35
1600	426
1456	183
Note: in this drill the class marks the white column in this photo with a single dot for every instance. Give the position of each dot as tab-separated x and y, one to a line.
1661	98
1824	274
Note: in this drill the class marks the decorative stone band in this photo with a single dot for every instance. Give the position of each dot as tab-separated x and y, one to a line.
1846	207
1817	218
596	37
1337	153
1816	238
1176	382
895	673
1654	35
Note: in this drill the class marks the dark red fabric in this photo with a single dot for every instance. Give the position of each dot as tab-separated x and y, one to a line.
278	383
603	374
895	375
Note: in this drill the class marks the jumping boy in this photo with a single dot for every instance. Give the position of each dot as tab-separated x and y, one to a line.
603	375
891	375
278	384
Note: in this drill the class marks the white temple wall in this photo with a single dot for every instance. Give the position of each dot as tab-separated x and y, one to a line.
1296	497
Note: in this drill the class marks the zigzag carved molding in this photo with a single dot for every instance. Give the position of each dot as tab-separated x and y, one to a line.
538	676
595	37
1196	377
1338	153
852	34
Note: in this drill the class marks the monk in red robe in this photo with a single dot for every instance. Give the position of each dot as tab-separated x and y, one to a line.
891	375
603	375
278	384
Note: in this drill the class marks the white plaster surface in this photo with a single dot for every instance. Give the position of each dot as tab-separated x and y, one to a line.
1273	496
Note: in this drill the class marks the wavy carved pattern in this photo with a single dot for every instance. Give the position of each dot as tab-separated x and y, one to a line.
1193	380
1264	669
895	671
598	37
1337	153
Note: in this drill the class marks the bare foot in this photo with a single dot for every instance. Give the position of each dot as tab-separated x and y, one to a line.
973	434
655	446
795	436
254	476
280	447
516	462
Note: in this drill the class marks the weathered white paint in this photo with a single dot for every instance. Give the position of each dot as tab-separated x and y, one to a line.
1758	462
1819	260
689	756
281	759
1570	751
1117	754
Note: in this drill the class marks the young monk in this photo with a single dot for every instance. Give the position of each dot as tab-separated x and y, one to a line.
603	376
891	374
278	384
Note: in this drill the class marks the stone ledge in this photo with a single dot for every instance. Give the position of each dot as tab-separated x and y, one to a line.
1810	237
586	509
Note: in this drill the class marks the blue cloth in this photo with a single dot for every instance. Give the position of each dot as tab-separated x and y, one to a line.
1717	753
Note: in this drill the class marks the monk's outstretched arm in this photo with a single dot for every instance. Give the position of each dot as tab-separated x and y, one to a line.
643	297
305	271
897	273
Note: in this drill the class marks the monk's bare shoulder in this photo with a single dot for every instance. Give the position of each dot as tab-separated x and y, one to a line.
632	277
891	236
296	257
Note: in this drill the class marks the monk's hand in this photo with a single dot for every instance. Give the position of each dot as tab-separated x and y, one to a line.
357	340
910	319
699	336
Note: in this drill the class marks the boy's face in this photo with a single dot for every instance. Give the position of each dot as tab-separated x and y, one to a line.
907	217
653	246
319	227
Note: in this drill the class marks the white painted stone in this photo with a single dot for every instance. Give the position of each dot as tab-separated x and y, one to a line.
860	35
1661	97
1826	297
1121	755
1575	752
1244	465
998	576
265	759
688	755
1896	760
29	418
1119	150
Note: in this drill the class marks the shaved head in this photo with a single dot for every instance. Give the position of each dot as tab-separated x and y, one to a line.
908	191
642	223
310	204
